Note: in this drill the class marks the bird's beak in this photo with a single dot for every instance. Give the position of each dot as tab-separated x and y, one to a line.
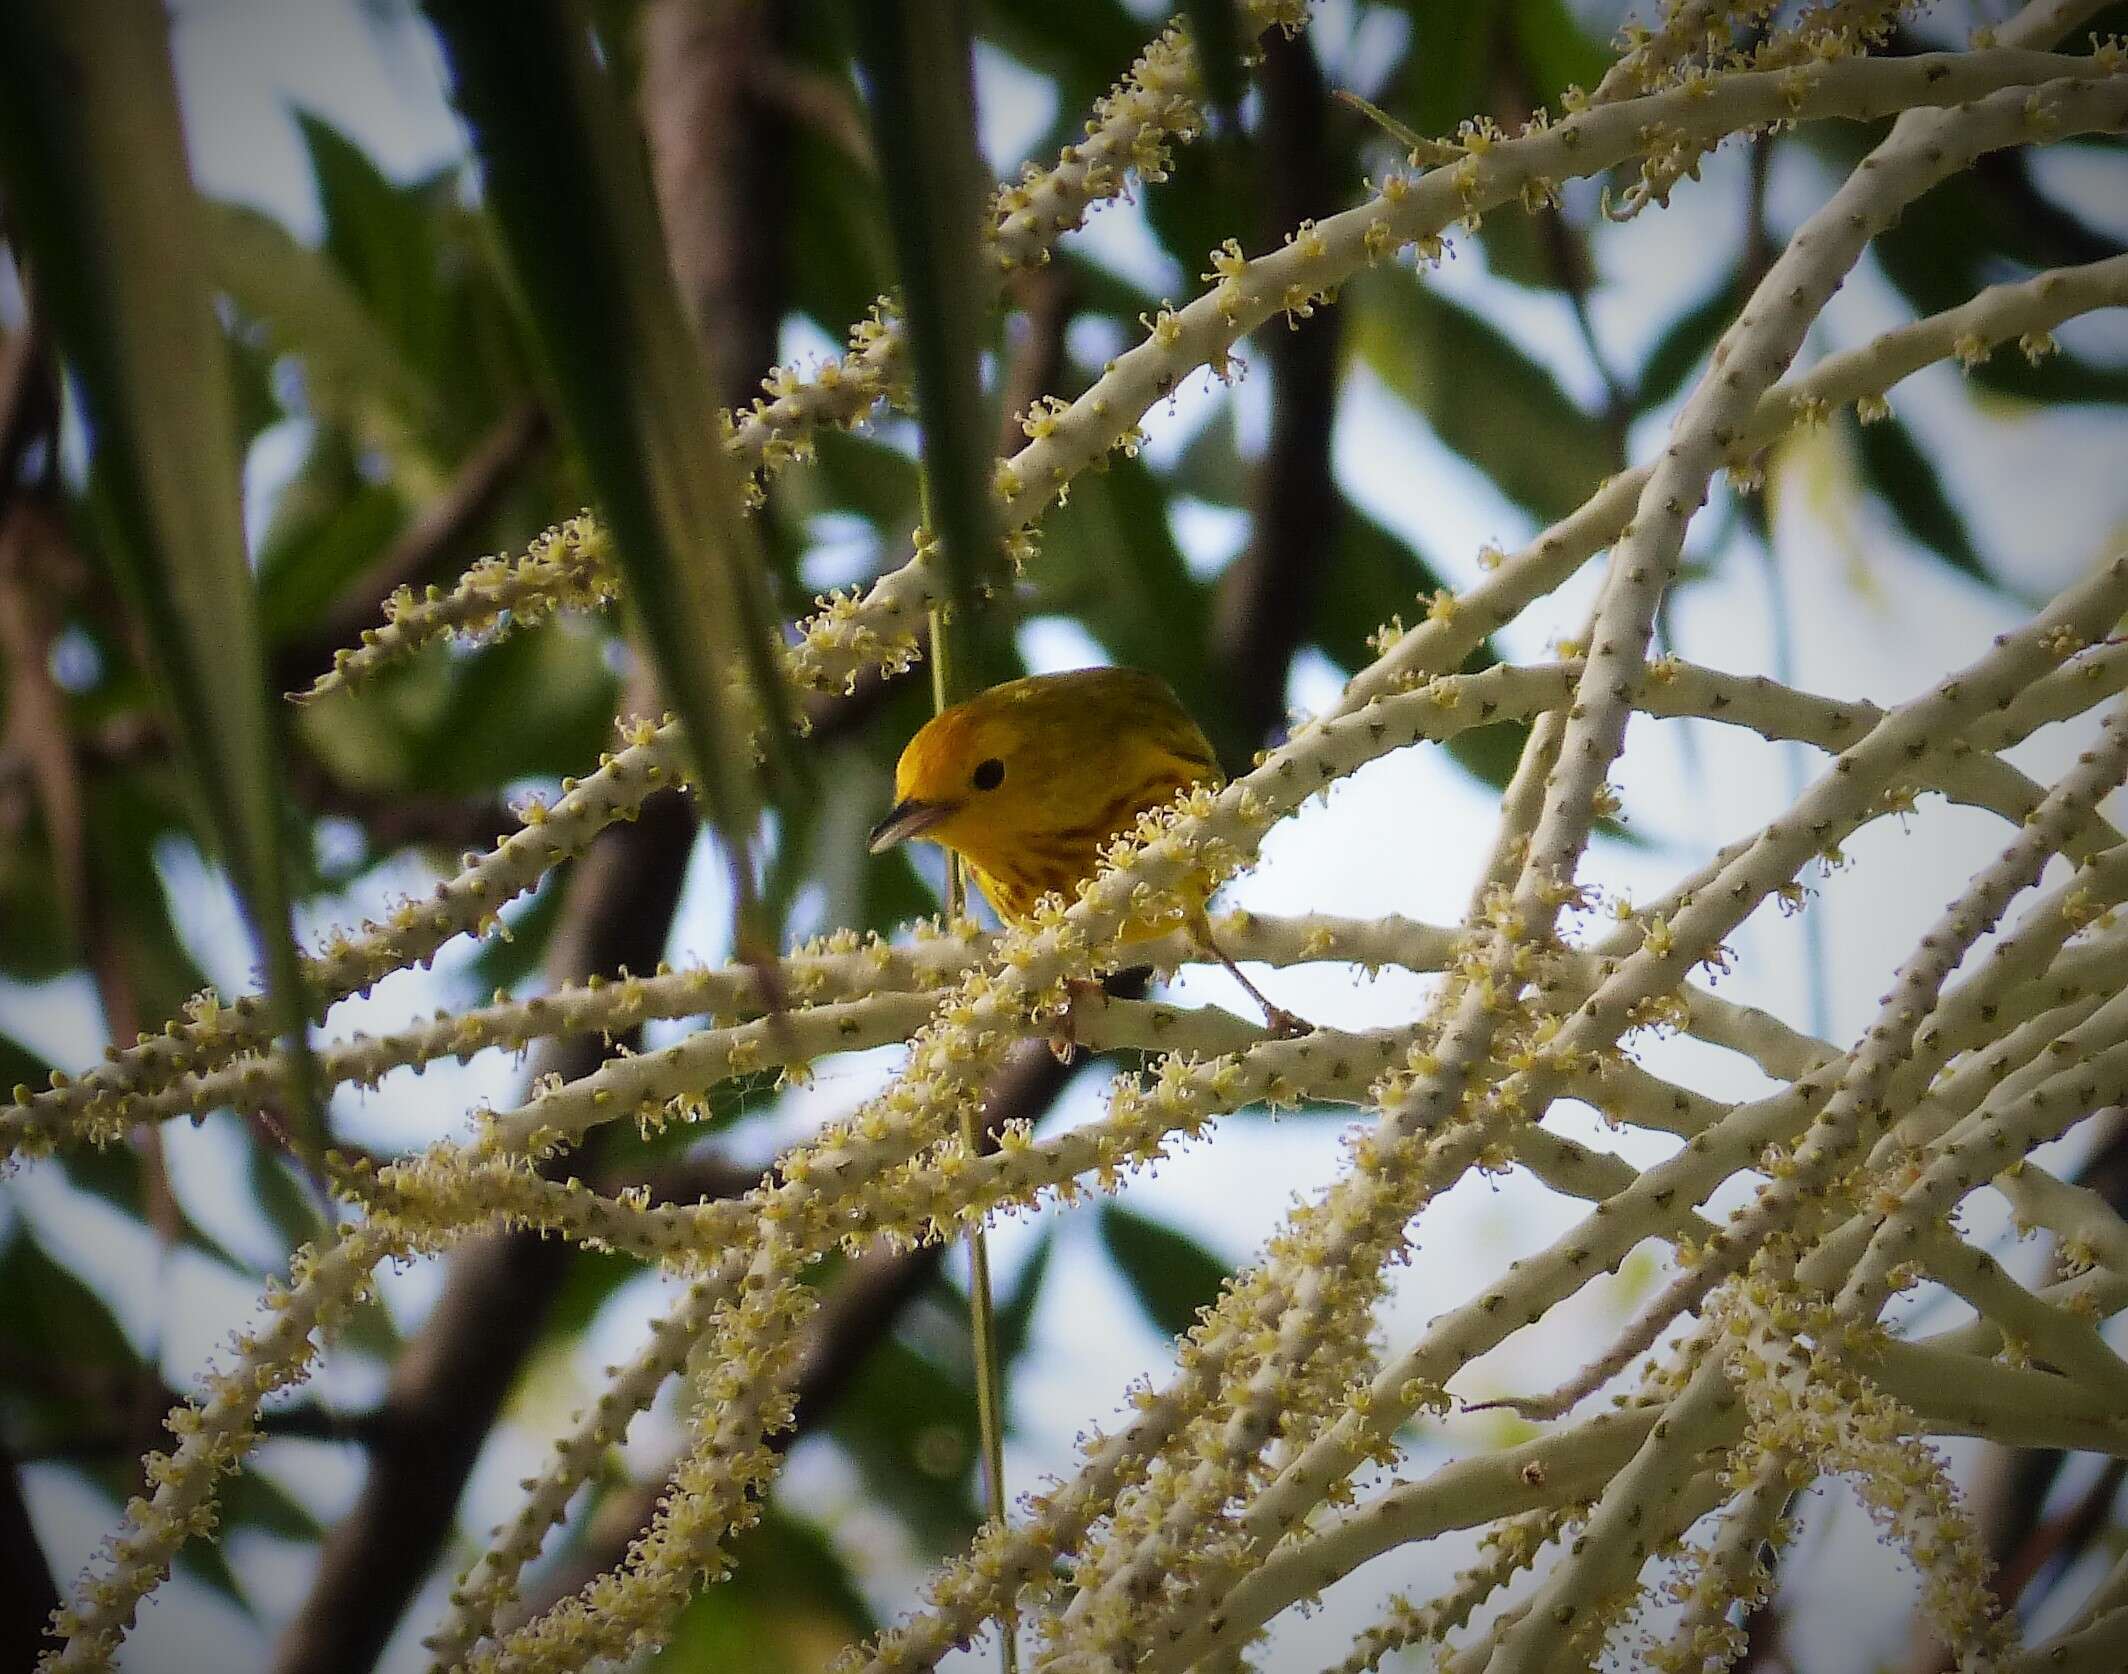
907	818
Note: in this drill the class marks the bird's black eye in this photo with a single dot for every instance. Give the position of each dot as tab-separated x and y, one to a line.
989	774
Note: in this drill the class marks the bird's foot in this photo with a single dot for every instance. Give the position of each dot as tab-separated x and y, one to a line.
1285	1025
1064	1039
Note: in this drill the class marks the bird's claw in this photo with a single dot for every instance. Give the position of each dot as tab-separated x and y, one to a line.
1284	1025
1064	1039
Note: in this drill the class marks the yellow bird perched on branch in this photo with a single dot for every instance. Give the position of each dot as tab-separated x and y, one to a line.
1029	781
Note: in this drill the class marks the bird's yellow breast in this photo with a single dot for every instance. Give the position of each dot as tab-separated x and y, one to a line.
1015	870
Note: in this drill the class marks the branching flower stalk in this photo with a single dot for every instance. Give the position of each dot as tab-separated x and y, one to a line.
96	1105
1755	352
1129	137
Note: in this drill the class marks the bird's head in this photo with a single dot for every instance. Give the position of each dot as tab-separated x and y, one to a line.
969	773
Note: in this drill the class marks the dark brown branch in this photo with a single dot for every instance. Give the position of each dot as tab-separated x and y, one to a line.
1266	599
27	1593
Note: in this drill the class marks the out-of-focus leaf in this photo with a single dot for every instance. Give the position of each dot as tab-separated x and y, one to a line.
1481	394
1374	575
1900	473
1515	250
1109	559
920	88
36	942
19	1066
841	258
329	528
95	167
354	372
1015	1314
556	150
1684	343
2058	377
593	1277
1170	1273
382	239
864	891
129	814
859	475
537	704
1979	228
1976	228
1085	48
1211	467
505	961
52	1317
1202	203
789	1607
1450	48
911	1429
1556	52
256	1502
1097	289
1215	32
282	1200
531	705
205	1562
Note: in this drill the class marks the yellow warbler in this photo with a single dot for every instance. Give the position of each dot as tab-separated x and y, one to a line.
1028	782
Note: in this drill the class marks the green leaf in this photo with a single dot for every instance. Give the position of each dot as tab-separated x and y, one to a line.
840	255
2060	377
329	527
1171	1274
1901	476
253	1501
1083	47
1685	342
535	704
788	1607
1374	575
52	1317
382	238
593	1277
354	372
1216	35
859	475
1450	48
1989	224
94	159
556	150
920	80
1556	52
282	1200
36	942
1109	559
1211	468
1015	1314
19	1066
1481	394
823	843
910	1427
